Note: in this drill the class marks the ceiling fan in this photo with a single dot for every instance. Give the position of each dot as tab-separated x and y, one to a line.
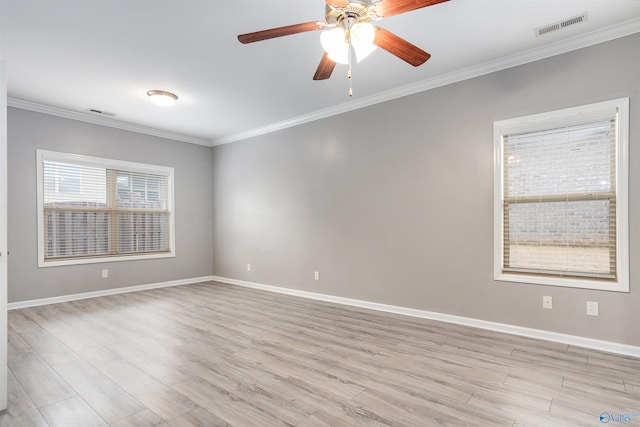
348	29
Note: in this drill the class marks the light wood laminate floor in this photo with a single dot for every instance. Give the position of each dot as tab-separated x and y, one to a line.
217	355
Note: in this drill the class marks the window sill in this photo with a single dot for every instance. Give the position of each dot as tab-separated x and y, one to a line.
619	285
80	261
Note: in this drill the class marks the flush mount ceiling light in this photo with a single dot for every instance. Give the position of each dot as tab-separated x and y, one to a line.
162	97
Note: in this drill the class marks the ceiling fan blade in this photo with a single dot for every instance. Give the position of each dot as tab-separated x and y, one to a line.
400	47
280	31
325	68
337	3
386	8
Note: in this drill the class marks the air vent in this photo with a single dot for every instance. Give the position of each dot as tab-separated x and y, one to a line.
100	112
560	25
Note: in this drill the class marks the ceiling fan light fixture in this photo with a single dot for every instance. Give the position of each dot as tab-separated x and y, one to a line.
334	42
362	36
162	97
343	36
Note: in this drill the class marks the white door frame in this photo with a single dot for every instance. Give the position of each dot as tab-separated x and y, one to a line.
3	236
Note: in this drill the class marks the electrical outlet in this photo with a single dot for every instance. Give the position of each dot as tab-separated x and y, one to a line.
592	308
316	275
547	302
105	274
248	267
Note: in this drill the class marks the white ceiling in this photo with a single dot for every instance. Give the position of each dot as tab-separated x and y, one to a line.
66	56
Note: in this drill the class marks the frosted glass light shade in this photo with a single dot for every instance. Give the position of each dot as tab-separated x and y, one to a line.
334	42
362	36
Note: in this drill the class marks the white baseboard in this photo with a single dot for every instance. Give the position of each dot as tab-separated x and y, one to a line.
608	346
85	295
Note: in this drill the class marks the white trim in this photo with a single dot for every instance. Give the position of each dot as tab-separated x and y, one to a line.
591	343
101	259
106	292
548	120
104	121
563	46
3	234
101	162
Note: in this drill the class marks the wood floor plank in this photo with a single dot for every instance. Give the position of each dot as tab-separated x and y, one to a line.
21	411
144	418
525	406
73	412
407	410
81	344
407	377
580	412
300	392
251	389
43	385
129	377
21	322
218	355
155	395
606	396
156	367
177	356
166	402
110	401
199	417
16	344
49	347
540	383
226	405
287	367
222	371
632	388
324	419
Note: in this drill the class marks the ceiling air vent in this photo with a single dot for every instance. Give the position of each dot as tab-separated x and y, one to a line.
100	112
561	24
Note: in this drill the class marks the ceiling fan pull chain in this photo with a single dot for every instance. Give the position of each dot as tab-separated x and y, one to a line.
349	75
350	54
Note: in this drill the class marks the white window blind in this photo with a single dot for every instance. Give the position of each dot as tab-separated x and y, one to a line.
91	209
560	200
560	204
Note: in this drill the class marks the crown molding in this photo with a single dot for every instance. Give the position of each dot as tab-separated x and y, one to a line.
563	46
104	121
557	48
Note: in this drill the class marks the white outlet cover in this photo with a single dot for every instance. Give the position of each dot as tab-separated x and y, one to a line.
592	308
547	302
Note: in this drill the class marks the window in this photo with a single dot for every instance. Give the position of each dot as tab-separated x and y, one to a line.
561	197
97	210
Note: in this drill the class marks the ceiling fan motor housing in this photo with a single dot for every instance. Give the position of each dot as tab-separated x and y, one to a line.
354	12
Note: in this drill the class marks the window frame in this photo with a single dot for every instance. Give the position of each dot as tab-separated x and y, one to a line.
555	119
78	159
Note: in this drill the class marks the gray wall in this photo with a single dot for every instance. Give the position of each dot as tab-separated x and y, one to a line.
28	131
394	203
